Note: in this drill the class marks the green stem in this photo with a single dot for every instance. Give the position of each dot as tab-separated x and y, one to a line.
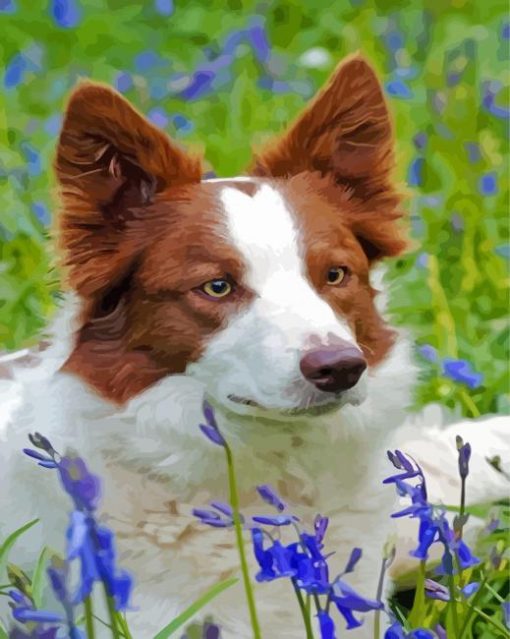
124	626
89	618
488	619
494	593
234	502
112	614
453	605
378	596
474	602
415	616
304	611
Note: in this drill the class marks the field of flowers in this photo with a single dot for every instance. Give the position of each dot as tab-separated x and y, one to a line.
224	75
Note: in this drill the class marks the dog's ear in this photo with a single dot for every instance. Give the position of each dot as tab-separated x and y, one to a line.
110	164
346	133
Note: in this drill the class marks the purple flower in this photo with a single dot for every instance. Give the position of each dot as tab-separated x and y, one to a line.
415	174
15	71
215	519
435	590
353	560
506	613
200	85
7	6
79	483
488	184
428	352
461	371
159	117
275	520
347	601
270	497
164	7
66	13
326	625
398	89
24	610
258	38
210	429
464	456
320	525
124	82
420	141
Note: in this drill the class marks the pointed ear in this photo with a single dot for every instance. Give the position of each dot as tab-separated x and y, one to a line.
110	164
345	131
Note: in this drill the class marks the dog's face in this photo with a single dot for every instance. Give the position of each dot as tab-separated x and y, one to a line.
257	286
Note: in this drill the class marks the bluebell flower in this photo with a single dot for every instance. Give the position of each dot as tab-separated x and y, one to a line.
461	371
159	117
420	141
488	184
473	151
24	610
32	158
164	7
79	483
257	37
15	71
396	631
398	89
8	6
123	82
222	517
320	525
506	613
41	212
347	600
464	457
505	31
210	428
489	93
326	625
147	60
58	574
89	543
270	497
415	174
181	123
199	86
428	352
66	13
354	557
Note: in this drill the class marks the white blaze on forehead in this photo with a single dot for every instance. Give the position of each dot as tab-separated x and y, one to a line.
264	231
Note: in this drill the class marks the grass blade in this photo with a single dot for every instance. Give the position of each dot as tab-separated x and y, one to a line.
185	616
5	548
39	576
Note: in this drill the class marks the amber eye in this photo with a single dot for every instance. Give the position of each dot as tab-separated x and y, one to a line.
217	288
336	275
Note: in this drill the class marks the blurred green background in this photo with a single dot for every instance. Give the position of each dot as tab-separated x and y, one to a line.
225	75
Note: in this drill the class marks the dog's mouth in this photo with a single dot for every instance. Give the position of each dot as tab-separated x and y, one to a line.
312	409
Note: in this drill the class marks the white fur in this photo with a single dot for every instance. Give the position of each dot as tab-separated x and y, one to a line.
156	465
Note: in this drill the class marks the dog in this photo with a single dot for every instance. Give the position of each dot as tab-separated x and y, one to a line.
260	293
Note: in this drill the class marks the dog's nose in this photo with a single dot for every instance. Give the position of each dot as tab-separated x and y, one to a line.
333	368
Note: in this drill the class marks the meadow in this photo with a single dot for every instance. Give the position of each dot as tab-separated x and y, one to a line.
222	76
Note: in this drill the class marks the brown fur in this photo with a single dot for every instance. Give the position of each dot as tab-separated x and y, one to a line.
139	234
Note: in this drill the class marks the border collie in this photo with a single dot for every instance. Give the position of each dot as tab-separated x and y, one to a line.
258	293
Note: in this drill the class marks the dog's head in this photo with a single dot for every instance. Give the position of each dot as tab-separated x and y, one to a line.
257	286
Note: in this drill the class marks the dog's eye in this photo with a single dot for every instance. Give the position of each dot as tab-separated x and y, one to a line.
217	288
337	275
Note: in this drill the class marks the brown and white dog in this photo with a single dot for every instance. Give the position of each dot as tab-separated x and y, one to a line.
258	293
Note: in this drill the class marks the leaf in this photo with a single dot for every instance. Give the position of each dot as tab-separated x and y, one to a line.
38	578
5	548
202	601
3	633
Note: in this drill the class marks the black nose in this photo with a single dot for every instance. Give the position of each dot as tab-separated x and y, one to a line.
333	368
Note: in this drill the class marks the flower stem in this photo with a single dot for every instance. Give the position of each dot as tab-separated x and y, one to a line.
89	618
111	614
378	596
452	605
474	602
416	614
234	502
304	611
